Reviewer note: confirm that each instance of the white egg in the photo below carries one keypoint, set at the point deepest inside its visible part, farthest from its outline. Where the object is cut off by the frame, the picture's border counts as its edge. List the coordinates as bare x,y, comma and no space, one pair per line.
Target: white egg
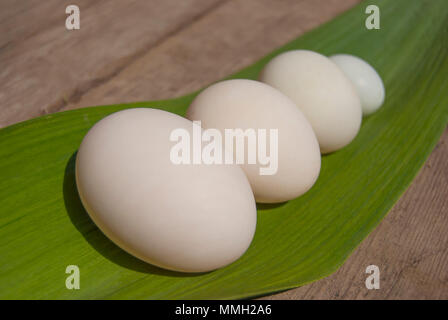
252,105
190,218
366,80
323,93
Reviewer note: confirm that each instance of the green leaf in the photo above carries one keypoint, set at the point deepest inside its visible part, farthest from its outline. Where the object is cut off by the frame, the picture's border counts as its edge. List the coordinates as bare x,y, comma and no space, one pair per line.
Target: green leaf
44,228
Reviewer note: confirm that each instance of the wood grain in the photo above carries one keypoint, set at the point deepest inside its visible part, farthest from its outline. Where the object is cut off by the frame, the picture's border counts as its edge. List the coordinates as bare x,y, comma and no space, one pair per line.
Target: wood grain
44,65
147,50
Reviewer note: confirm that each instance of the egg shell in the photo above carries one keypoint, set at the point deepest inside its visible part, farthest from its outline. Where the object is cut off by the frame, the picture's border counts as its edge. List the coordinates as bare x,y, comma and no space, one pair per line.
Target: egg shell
248,104
321,91
190,218
367,81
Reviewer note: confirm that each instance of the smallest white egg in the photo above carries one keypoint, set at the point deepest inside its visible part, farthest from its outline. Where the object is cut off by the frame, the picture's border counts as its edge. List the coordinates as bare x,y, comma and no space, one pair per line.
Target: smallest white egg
368,83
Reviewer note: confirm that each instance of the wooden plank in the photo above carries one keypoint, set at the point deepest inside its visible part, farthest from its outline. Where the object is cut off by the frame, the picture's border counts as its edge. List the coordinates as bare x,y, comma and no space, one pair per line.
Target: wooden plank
225,40
44,64
21,20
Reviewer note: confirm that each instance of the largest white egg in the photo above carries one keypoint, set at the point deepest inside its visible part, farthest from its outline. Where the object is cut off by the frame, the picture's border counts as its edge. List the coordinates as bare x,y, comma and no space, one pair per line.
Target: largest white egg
190,218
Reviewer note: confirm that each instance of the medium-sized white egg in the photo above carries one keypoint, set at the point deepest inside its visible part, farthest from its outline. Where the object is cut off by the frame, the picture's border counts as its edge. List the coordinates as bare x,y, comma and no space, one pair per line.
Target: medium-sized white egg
323,93
366,80
293,161
183,217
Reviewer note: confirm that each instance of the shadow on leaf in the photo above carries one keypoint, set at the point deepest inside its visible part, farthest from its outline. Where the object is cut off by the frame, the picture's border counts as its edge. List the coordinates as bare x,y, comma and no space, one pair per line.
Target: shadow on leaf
269,206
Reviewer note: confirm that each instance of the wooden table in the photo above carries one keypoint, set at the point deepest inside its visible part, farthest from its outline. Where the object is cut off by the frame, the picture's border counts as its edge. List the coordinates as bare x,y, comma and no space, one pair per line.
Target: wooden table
139,50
